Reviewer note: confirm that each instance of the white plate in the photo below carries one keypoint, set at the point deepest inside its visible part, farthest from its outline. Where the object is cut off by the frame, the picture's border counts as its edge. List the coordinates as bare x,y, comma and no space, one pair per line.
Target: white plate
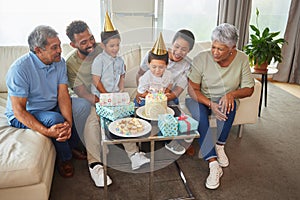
141,113
112,127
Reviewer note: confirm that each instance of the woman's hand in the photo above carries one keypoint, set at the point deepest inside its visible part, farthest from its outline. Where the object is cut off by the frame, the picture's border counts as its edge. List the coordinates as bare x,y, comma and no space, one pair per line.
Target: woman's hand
216,109
226,103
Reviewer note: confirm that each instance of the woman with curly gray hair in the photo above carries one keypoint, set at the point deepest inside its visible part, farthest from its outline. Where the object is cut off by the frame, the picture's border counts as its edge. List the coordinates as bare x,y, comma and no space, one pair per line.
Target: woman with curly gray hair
219,77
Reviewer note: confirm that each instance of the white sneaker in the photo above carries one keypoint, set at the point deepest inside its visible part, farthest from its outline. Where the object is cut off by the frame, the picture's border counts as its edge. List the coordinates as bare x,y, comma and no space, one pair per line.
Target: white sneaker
138,159
215,173
190,140
222,158
97,174
175,147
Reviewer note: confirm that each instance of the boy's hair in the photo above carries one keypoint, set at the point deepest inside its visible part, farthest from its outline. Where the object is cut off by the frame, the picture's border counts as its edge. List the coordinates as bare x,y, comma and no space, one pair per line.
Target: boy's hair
76,27
187,36
164,57
107,35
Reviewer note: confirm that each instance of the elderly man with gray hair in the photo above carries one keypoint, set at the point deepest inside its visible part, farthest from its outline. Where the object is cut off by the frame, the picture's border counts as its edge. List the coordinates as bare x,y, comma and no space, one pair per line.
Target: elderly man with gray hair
38,97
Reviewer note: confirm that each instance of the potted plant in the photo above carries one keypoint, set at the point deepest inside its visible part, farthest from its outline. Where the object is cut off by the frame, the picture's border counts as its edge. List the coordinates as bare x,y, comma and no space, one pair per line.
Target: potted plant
263,47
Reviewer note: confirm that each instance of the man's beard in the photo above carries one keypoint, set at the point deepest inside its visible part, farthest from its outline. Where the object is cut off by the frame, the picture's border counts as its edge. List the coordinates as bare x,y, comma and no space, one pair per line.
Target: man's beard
86,53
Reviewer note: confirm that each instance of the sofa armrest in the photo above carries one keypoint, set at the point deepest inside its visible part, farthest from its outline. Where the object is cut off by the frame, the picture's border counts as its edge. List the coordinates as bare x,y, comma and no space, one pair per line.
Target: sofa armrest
247,112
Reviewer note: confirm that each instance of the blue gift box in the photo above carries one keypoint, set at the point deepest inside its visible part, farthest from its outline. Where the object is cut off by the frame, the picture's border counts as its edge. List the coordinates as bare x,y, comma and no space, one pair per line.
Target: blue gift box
115,112
168,125
186,123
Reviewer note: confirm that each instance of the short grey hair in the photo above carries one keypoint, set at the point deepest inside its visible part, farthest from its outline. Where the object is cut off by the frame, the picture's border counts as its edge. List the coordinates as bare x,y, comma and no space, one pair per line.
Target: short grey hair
38,37
225,33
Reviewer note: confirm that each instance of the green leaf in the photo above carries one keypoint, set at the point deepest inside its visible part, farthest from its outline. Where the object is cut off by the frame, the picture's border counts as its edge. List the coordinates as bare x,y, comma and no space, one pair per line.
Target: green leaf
256,30
265,33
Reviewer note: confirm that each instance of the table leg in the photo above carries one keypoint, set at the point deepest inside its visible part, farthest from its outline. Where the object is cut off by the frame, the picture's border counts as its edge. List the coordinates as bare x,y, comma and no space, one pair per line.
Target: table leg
151,169
261,93
266,88
190,194
105,170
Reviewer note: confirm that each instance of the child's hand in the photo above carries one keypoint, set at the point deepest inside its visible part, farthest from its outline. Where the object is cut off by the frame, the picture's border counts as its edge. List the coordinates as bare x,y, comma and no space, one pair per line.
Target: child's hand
168,95
137,98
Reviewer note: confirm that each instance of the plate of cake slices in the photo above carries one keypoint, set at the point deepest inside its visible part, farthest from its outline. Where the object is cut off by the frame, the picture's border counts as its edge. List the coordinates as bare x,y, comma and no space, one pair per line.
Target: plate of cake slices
154,112
129,127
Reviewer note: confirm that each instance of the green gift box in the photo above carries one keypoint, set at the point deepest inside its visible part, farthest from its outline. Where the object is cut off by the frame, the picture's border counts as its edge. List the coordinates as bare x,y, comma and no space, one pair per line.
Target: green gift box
186,123
168,125
115,112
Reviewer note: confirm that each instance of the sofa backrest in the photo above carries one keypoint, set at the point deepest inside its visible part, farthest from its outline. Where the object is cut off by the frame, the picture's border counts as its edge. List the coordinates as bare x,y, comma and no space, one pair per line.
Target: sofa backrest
131,53
8,54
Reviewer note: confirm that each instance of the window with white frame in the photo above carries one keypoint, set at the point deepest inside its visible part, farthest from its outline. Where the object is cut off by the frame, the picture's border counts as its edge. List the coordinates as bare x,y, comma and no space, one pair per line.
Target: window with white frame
272,14
198,16
19,18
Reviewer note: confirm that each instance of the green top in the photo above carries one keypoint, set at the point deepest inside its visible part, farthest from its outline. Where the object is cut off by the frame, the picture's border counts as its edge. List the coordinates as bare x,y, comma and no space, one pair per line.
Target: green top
215,80
79,71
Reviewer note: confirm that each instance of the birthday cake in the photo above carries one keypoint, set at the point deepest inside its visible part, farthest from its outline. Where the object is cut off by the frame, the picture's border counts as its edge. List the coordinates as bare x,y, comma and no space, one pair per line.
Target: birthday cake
155,104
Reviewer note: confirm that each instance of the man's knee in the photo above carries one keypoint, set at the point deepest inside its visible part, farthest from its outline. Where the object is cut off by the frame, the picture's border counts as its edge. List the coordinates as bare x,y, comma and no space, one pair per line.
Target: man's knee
52,119
81,106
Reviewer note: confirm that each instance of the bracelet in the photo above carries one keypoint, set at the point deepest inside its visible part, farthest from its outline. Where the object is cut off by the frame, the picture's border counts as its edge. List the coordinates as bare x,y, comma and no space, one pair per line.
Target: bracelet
209,105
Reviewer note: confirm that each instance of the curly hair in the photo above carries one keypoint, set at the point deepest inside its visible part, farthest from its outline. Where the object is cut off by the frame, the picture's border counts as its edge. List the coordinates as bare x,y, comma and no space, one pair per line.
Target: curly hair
76,27
225,33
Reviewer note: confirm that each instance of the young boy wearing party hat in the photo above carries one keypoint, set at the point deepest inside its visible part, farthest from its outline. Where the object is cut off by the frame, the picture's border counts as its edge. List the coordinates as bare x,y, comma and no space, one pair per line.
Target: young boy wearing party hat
157,79
108,71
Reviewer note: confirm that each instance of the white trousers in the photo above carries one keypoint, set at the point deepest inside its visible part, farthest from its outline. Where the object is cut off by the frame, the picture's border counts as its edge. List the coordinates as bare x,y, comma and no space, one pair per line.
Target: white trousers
93,140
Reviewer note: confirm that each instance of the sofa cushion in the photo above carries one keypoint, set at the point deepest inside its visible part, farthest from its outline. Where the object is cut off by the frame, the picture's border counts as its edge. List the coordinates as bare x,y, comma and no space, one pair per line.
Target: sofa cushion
23,155
7,56
132,56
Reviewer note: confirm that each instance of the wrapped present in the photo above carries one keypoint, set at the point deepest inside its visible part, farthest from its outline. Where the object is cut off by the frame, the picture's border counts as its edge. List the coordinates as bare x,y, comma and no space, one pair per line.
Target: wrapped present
115,112
114,99
168,125
186,123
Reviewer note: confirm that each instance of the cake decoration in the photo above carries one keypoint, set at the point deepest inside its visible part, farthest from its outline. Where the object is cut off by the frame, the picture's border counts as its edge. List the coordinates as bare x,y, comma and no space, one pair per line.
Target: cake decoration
108,26
155,104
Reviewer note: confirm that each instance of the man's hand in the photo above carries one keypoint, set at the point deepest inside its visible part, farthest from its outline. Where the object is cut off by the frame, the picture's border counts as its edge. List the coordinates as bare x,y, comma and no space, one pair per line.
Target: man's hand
61,132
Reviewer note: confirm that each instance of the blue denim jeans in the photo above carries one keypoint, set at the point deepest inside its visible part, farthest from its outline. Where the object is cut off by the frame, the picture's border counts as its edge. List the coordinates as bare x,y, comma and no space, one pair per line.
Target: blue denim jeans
200,112
80,111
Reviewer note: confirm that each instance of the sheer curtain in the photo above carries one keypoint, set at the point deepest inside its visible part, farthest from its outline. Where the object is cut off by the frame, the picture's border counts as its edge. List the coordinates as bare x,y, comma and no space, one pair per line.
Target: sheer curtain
236,12
289,69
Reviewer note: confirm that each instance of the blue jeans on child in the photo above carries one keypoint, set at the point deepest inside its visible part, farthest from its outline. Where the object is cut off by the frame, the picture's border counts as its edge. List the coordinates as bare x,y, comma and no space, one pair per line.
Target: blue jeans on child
200,112
142,103
80,112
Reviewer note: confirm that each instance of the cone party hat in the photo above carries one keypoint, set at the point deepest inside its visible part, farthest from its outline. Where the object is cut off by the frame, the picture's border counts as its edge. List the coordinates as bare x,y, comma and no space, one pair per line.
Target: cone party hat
159,47
107,24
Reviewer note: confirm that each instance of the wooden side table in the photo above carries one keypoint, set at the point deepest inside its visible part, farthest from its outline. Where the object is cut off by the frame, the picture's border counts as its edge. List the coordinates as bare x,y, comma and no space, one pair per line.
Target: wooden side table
264,83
